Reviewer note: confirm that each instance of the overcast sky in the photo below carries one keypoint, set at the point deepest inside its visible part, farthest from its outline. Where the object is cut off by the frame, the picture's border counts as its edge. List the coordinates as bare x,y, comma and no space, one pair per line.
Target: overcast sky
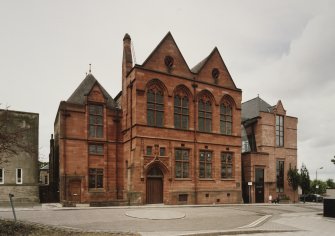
278,49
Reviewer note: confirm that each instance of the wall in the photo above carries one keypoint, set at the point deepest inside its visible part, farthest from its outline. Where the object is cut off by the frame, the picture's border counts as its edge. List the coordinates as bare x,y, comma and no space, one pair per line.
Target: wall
24,157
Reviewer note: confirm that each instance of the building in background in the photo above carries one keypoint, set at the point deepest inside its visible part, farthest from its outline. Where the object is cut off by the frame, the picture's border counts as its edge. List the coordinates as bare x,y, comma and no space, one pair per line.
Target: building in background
269,150
44,175
19,159
172,135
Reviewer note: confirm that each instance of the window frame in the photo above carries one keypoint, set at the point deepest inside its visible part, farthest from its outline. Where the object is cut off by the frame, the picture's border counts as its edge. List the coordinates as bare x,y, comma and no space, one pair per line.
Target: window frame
19,180
162,151
226,165
147,151
155,107
279,131
94,126
99,172
95,151
206,164
280,175
184,163
226,119
205,115
181,112
2,175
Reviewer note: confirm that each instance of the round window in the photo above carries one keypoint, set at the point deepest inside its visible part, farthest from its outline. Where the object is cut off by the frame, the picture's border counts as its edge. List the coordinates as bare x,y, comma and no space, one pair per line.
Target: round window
168,60
215,73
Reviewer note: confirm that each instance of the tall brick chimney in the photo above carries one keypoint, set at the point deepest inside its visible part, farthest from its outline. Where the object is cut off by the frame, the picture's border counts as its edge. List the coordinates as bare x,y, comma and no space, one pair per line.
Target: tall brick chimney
127,60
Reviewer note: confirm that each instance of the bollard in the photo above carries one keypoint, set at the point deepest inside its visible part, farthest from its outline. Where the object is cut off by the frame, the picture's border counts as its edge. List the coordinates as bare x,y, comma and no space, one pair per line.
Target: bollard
11,203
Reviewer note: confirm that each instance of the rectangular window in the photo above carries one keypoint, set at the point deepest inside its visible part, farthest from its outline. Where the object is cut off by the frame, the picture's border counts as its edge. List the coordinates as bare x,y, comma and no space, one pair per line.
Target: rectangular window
205,164
2,176
205,116
182,197
96,149
226,165
162,151
279,131
96,178
19,176
149,150
280,176
155,108
46,179
181,112
225,119
96,121
182,163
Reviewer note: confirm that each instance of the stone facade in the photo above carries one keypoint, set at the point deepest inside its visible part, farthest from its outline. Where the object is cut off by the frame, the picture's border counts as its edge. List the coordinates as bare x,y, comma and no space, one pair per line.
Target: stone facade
144,154
19,167
263,151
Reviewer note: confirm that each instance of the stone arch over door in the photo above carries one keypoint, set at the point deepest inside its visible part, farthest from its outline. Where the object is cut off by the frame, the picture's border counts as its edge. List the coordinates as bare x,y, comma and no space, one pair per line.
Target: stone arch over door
154,185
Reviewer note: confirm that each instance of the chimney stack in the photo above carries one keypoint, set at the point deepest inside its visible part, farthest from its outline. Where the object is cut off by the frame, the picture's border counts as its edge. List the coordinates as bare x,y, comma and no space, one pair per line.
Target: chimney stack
127,60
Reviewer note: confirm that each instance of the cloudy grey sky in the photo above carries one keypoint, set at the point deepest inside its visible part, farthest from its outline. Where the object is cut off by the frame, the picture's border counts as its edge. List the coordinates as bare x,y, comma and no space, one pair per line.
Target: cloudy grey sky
277,49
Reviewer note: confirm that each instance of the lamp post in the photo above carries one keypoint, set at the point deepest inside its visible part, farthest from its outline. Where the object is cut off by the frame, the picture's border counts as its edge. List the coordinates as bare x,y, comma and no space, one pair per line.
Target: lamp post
316,179
316,173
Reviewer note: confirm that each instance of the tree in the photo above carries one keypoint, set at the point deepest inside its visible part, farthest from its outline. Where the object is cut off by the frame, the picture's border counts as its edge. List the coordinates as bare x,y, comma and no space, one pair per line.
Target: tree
318,187
13,136
330,183
333,160
293,179
305,182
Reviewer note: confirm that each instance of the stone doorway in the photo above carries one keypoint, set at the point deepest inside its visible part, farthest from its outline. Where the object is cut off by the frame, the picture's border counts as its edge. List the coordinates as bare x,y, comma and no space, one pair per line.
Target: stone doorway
259,185
75,191
154,186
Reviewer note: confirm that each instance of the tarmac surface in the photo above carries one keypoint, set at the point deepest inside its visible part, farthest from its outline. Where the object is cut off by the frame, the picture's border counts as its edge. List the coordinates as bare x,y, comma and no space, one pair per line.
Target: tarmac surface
163,220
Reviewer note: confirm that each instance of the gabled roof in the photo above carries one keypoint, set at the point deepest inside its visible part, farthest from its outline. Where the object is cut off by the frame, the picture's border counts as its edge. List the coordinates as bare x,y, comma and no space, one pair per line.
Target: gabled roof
80,94
201,65
167,36
252,108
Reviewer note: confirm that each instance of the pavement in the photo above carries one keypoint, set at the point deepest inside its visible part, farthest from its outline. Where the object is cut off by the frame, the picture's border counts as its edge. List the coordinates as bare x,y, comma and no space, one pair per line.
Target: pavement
167,220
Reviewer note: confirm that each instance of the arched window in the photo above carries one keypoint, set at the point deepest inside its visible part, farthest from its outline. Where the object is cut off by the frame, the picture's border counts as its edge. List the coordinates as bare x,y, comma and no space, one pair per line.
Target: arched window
181,111
205,115
155,107
226,118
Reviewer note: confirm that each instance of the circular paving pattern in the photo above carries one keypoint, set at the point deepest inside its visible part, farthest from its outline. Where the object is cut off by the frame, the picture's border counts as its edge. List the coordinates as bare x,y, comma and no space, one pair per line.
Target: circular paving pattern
155,214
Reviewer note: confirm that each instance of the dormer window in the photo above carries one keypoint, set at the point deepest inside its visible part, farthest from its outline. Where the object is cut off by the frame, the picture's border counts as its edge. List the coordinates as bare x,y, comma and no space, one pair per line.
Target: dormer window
96,121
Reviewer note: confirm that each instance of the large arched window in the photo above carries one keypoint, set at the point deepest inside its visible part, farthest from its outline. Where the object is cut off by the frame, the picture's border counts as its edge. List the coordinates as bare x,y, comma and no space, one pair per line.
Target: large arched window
226,120
181,111
205,115
155,107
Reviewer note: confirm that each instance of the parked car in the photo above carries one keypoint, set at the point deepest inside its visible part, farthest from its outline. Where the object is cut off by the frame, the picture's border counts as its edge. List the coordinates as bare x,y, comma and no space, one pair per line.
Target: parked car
311,198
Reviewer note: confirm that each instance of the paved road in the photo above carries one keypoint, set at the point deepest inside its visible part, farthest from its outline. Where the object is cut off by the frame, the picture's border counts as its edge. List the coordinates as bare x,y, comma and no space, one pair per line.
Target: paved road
303,219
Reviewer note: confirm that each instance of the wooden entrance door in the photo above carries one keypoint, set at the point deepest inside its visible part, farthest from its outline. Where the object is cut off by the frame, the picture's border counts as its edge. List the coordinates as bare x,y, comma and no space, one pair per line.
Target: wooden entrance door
259,185
154,188
74,191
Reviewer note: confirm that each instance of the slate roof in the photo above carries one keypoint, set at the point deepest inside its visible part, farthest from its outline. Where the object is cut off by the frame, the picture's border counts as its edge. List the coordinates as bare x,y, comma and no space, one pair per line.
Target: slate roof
80,94
46,167
199,66
252,108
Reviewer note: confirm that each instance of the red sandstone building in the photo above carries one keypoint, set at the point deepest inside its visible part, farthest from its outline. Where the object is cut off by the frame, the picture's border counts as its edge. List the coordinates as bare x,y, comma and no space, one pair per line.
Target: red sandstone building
172,135
269,151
